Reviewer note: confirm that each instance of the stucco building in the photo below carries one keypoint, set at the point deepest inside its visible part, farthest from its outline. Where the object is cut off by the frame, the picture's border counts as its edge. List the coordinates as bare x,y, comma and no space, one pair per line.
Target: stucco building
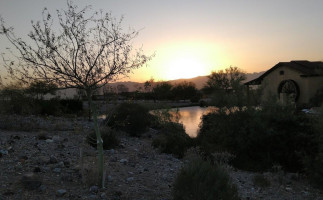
296,81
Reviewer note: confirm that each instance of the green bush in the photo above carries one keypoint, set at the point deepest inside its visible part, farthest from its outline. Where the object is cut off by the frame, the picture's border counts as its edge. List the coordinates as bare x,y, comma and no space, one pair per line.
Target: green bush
201,180
109,137
131,118
173,139
259,138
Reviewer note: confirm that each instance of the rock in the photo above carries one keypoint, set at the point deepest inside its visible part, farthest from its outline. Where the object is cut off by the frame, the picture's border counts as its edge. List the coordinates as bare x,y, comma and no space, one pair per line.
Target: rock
109,178
52,159
111,151
130,179
60,164
124,161
94,189
103,195
43,160
56,138
42,188
57,170
30,181
49,141
60,192
3,152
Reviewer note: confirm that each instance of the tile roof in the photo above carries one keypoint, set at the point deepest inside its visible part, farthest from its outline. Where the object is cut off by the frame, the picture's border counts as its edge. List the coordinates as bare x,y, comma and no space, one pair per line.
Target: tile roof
306,68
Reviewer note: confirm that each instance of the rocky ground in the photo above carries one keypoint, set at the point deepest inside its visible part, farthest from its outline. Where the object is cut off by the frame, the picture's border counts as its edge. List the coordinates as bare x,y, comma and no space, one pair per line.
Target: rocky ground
44,162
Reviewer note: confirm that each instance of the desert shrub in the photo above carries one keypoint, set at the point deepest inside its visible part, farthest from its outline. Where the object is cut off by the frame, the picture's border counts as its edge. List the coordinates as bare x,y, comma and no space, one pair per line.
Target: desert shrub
161,117
109,137
317,100
48,107
71,105
173,139
200,180
259,138
131,118
314,162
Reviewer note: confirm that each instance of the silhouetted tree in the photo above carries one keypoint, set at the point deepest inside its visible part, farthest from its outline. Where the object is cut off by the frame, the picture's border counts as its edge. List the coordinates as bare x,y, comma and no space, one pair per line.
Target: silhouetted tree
184,90
40,88
226,87
122,88
85,51
162,90
148,85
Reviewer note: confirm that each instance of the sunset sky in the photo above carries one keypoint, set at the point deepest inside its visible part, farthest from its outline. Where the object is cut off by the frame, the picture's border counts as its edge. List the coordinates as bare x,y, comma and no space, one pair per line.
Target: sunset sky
194,37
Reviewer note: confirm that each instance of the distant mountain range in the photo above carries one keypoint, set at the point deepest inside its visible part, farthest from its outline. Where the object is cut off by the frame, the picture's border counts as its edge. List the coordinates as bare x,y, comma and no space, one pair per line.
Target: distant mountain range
199,81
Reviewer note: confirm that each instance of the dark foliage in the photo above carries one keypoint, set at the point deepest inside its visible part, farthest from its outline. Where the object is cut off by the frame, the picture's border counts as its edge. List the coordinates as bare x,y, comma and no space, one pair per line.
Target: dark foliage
173,139
314,162
71,105
109,137
259,139
131,118
201,180
317,100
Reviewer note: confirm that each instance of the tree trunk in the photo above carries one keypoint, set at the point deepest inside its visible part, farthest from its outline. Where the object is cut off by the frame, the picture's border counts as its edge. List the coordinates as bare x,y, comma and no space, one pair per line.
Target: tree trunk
98,138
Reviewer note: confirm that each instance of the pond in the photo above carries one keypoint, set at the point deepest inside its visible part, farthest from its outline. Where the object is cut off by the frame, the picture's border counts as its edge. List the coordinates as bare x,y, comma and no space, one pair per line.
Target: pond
190,117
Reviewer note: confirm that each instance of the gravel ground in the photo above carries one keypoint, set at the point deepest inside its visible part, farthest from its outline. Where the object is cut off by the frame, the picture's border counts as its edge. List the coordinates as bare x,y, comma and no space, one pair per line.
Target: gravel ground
44,162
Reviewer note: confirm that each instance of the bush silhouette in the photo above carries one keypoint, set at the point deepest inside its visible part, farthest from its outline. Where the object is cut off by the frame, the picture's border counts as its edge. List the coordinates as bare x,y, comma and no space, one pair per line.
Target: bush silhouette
130,117
201,180
259,139
109,137
173,139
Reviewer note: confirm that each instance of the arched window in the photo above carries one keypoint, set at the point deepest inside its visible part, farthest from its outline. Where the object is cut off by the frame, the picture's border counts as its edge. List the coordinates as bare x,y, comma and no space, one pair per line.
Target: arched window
290,88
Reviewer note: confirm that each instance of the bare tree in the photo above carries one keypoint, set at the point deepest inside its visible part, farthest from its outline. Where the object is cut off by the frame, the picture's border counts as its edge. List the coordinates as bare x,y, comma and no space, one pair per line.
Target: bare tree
85,50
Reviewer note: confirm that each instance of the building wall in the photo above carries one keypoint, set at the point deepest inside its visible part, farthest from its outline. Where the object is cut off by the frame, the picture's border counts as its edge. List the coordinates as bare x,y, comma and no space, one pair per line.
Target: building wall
307,85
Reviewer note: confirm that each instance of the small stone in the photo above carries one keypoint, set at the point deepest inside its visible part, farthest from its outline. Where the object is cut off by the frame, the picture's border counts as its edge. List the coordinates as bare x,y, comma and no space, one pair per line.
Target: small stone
4,152
57,170
124,161
42,188
60,164
52,159
49,141
111,151
103,195
130,179
60,192
56,138
43,160
94,189
109,178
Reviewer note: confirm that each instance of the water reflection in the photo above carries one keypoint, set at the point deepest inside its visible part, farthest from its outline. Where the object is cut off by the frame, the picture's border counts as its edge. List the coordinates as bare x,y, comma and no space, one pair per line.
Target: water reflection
190,117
